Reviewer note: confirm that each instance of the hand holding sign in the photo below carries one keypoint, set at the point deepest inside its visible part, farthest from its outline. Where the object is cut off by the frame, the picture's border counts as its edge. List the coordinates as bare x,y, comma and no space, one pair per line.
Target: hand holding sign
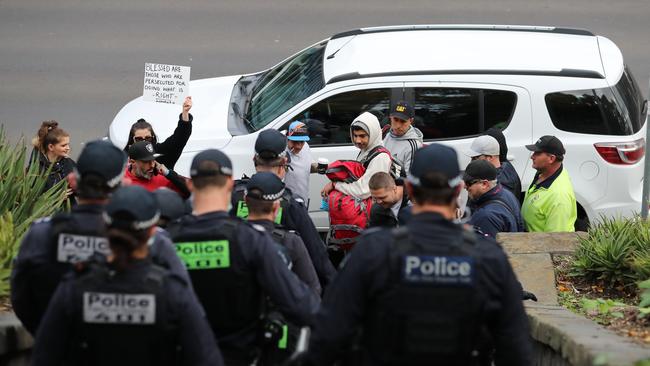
166,84
187,105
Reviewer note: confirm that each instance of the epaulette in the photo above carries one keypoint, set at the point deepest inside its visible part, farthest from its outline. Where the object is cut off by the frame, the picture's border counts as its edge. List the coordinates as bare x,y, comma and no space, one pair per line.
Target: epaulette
43,219
258,227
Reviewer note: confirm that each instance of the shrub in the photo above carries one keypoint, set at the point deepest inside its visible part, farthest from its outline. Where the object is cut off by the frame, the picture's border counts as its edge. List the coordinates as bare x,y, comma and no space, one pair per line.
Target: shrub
615,250
22,201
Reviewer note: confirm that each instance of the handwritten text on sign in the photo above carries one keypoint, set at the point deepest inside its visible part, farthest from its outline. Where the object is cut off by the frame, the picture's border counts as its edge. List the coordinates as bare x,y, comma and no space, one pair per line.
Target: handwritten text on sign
166,83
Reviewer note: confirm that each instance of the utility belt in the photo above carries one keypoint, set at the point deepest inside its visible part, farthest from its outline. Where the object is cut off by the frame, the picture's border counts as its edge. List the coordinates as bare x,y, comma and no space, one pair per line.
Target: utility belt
277,339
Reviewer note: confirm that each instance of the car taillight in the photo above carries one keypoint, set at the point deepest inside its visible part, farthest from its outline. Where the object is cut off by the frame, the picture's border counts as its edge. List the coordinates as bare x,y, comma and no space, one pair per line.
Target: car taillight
621,152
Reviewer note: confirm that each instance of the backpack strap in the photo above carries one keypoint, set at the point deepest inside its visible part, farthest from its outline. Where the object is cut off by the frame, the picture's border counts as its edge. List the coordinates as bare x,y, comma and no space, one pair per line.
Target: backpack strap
373,153
499,202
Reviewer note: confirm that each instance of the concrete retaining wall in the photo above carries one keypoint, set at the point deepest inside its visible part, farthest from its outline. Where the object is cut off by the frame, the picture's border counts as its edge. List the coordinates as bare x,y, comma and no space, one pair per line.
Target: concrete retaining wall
15,341
562,337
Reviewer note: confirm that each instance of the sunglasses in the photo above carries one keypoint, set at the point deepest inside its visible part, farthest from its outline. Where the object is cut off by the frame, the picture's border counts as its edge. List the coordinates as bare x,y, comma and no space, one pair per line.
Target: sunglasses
472,182
141,138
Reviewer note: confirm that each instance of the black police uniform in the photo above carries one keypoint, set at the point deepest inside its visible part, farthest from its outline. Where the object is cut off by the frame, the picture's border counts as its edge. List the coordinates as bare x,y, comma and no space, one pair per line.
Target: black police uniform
293,216
301,263
143,315
421,295
51,246
232,266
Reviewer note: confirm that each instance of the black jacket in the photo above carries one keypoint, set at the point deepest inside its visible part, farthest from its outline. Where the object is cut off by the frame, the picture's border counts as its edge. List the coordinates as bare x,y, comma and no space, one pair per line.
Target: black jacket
60,169
364,277
56,336
302,265
171,149
36,271
255,256
295,217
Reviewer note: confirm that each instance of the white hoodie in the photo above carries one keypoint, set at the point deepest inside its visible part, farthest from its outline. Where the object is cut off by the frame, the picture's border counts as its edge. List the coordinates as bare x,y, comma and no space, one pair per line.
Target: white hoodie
381,163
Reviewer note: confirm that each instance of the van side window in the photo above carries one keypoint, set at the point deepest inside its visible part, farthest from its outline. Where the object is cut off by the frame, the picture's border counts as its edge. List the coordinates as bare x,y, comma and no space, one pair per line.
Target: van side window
329,120
442,113
606,111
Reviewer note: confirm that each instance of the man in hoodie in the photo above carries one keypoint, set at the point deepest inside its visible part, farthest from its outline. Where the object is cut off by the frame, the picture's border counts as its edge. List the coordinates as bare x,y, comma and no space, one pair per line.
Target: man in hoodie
365,133
403,139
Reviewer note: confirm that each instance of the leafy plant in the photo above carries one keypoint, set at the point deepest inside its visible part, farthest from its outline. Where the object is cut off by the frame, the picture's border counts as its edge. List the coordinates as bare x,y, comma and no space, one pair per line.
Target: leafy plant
644,305
615,250
22,201
603,307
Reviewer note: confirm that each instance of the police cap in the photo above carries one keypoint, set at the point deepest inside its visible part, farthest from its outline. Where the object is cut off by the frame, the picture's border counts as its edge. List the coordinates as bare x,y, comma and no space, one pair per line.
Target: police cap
104,159
271,144
435,158
221,164
133,208
170,203
270,186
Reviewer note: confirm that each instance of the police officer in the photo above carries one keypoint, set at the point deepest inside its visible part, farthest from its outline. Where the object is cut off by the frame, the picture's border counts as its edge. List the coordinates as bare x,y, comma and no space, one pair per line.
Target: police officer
270,156
52,245
424,292
171,206
232,265
126,310
263,193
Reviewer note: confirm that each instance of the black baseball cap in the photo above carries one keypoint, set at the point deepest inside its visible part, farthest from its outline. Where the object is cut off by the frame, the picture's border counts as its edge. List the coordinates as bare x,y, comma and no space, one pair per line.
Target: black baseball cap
435,158
132,207
270,186
402,110
480,170
142,151
221,166
271,144
548,144
170,203
104,159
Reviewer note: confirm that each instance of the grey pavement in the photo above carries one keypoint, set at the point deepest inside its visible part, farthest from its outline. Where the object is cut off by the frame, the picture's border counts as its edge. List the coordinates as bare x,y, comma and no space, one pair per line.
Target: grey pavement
79,61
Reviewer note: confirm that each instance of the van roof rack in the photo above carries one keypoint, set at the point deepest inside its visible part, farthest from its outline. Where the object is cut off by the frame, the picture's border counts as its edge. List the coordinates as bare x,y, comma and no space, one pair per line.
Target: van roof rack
511,28
563,72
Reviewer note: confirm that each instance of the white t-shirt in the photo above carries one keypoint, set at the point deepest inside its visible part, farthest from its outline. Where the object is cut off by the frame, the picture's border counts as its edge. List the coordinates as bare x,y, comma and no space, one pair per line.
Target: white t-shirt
297,180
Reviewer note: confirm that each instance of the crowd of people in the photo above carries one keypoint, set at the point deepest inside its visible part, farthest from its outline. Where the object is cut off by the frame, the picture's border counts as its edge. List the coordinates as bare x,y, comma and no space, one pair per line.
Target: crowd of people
152,267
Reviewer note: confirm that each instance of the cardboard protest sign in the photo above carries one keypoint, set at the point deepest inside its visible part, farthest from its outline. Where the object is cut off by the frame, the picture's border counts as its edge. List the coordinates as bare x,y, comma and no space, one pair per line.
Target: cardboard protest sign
166,83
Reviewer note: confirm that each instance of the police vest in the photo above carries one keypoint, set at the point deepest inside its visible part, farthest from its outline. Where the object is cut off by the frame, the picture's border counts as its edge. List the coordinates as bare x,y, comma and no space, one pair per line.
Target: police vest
241,210
118,318
431,310
77,241
69,241
228,291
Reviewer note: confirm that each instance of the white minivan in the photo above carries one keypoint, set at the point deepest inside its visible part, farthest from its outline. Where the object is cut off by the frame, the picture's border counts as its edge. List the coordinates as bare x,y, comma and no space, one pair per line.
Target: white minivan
461,79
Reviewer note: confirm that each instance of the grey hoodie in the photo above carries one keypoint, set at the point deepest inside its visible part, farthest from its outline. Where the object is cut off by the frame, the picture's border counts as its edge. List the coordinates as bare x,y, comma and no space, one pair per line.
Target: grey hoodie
403,147
381,163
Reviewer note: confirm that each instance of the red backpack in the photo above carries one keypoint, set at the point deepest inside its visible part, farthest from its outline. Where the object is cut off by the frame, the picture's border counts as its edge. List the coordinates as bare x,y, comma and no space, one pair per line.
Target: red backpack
348,215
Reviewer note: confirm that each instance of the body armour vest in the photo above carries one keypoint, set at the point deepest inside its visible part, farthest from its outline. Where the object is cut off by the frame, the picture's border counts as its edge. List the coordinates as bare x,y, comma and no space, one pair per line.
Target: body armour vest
70,241
119,317
431,310
227,289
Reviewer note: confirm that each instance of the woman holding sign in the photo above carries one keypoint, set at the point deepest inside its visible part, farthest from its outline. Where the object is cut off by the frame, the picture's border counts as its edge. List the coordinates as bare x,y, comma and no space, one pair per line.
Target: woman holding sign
126,311
170,149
